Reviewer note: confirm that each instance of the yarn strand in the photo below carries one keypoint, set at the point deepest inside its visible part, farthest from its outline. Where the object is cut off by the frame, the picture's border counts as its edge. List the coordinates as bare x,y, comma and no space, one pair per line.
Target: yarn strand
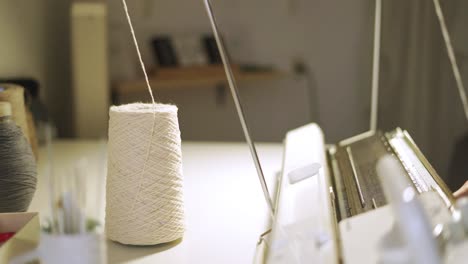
135,42
143,68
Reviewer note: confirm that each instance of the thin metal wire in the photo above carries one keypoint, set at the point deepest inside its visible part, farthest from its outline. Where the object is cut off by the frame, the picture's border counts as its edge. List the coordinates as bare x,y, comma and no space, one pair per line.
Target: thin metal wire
376,66
240,112
451,55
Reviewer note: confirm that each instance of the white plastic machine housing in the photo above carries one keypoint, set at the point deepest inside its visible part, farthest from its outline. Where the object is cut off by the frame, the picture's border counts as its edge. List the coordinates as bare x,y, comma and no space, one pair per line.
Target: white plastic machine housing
303,228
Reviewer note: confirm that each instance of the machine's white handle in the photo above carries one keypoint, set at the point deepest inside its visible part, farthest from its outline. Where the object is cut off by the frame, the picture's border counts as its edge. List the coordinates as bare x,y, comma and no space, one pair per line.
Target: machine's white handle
410,216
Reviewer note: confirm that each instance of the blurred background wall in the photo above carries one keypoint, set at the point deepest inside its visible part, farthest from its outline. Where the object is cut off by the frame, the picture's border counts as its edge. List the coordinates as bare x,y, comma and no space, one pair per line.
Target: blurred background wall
332,39
280,34
35,43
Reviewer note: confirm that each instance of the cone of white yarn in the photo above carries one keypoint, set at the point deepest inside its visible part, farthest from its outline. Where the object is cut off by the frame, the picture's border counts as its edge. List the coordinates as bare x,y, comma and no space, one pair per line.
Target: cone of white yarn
144,201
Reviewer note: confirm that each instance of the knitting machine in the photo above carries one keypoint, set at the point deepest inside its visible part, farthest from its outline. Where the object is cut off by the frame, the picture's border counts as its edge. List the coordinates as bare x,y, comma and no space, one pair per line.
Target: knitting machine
373,198
370,199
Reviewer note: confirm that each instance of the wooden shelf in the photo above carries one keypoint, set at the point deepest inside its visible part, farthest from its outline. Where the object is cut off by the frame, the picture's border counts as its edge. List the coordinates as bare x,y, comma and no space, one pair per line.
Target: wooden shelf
189,80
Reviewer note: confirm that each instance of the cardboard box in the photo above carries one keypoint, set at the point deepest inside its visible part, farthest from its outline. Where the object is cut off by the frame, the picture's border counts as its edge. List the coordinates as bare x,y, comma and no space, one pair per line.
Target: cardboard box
27,229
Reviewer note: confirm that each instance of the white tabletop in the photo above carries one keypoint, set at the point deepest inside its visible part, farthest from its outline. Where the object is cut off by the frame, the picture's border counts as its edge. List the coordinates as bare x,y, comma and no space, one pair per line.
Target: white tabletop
225,208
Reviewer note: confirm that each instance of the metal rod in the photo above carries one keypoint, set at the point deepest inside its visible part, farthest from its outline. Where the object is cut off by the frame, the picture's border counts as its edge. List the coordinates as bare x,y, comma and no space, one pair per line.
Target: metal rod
376,66
240,112
356,179
451,55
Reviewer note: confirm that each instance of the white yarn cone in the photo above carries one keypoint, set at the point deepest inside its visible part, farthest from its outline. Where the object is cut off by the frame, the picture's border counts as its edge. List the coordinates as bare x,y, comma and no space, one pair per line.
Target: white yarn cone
144,202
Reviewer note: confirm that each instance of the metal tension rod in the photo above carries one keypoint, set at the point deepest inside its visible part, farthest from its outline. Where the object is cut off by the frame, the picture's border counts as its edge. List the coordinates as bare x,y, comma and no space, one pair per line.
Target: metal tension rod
451,55
235,96
376,66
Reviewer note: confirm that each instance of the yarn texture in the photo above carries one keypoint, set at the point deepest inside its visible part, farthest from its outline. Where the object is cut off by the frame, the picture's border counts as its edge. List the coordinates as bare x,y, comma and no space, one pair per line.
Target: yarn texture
144,201
17,169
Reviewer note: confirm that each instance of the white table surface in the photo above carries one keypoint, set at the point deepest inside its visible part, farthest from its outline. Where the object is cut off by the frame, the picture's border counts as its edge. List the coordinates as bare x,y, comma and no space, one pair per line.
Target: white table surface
225,208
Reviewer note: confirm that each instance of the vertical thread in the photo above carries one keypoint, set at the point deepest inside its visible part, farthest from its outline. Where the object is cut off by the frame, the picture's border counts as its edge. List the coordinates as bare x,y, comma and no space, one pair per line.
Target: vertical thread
148,85
135,42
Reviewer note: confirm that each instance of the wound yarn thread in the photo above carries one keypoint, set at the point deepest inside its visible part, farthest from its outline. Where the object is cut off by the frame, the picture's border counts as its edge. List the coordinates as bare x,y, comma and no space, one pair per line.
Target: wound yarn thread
144,201
17,169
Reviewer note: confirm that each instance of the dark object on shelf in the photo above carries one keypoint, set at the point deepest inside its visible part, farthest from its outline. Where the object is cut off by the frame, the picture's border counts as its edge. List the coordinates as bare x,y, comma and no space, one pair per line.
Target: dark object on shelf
164,52
256,68
211,48
30,85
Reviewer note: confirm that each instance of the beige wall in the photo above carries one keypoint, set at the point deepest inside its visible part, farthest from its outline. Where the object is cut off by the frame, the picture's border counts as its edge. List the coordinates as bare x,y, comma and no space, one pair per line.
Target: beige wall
22,31
334,37
91,91
35,43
